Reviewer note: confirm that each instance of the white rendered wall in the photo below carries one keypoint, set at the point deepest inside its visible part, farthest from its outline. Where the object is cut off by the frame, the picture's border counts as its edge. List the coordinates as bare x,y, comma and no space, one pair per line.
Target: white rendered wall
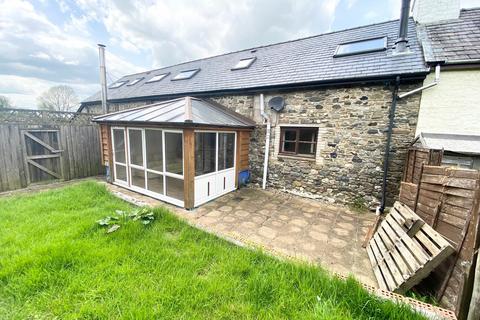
428,11
453,106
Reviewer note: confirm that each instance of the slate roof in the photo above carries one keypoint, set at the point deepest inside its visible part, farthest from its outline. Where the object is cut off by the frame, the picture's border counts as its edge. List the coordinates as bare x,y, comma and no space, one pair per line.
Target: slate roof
171,112
453,41
459,143
298,62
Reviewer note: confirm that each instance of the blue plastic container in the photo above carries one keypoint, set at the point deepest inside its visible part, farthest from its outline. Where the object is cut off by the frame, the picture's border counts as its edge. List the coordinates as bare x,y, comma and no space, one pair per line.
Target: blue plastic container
244,177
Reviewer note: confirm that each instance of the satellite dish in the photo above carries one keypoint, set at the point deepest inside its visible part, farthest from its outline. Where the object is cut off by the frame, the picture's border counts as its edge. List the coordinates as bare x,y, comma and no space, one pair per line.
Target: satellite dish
277,103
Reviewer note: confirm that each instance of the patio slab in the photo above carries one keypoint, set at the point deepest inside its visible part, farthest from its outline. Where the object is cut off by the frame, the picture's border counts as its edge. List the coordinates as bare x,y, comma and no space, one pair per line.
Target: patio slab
306,229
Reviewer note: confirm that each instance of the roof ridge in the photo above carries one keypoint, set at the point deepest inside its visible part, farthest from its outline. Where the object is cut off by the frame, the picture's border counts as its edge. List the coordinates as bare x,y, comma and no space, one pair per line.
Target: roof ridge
470,9
262,46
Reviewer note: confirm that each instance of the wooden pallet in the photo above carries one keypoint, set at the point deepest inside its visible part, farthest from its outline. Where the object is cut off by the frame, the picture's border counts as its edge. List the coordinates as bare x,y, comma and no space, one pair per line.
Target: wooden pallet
404,250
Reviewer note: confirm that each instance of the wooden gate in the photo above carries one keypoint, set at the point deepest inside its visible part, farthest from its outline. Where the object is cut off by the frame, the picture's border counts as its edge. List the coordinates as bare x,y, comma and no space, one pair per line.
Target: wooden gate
42,155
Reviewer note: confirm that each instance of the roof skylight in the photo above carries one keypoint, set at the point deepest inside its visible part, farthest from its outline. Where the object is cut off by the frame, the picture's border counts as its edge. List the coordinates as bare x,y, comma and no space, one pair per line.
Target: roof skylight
187,74
135,81
362,46
244,63
117,84
158,77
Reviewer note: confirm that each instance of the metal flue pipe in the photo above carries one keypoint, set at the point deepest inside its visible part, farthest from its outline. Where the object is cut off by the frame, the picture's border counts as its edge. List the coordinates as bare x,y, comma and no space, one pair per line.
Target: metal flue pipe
103,76
401,43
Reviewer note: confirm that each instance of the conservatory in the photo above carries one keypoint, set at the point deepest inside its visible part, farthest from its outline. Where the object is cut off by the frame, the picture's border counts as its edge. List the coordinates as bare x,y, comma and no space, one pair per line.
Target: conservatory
185,151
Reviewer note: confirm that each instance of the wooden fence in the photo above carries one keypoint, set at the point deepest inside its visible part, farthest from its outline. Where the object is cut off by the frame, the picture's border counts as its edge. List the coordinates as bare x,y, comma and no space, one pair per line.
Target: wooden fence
37,146
448,199
416,157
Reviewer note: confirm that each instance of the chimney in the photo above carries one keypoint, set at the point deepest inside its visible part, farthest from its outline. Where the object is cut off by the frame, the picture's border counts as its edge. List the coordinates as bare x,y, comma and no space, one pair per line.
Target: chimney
103,77
431,11
401,44
188,109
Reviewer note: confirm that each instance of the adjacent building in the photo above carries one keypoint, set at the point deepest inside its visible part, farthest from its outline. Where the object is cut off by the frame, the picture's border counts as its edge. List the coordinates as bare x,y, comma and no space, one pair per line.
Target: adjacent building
450,110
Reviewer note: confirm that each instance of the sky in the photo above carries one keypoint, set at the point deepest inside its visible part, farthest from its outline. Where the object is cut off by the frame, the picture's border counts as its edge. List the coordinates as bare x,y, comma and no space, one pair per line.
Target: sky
46,43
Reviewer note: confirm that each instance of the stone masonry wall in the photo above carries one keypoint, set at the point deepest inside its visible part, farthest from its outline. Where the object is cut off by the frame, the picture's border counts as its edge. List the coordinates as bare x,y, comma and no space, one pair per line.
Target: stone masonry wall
352,122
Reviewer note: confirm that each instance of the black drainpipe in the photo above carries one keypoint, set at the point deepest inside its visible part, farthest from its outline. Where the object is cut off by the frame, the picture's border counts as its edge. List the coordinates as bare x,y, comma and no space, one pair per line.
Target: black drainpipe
386,159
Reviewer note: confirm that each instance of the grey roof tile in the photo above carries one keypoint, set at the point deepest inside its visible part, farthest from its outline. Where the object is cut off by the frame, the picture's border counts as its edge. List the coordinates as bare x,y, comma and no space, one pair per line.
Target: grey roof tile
451,41
300,61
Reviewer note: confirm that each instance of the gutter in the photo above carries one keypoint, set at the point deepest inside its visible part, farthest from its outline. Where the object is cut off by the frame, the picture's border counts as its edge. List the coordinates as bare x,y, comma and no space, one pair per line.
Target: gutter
434,83
256,90
267,140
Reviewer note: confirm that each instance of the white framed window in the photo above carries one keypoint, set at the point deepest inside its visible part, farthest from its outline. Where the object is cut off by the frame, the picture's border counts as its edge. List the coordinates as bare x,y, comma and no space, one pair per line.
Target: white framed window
119,155
244,63
158,77
187,74
215,153
151,162
361,46
134,82
117,84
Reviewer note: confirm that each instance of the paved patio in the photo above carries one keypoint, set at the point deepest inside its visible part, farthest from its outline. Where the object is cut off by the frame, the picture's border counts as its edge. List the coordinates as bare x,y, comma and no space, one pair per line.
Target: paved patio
306,229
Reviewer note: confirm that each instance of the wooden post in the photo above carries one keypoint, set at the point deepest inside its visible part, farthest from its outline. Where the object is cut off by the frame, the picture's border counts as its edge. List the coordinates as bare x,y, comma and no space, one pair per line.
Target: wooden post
189,168
237,158
474,310
418,189
109,153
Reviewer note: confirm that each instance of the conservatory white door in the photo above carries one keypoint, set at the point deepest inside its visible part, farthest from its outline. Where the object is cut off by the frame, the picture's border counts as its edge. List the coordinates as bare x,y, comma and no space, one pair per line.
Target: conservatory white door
214,164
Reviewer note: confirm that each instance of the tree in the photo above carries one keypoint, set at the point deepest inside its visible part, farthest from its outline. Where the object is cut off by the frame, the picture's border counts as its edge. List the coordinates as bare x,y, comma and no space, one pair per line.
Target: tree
5,102
58,98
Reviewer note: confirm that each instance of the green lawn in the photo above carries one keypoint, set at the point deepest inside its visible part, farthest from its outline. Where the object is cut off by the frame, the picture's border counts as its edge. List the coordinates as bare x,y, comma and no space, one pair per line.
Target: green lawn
55,262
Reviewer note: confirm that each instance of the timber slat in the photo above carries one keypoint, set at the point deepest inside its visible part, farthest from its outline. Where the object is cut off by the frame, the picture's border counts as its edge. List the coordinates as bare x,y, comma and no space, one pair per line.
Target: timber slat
376,270
68,151
404,249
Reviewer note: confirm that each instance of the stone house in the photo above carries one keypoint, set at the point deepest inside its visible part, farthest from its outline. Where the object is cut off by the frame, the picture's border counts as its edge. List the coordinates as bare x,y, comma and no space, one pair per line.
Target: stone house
337,91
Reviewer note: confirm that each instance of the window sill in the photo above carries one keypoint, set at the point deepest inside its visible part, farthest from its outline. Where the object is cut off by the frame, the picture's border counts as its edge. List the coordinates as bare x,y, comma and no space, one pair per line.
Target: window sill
284,156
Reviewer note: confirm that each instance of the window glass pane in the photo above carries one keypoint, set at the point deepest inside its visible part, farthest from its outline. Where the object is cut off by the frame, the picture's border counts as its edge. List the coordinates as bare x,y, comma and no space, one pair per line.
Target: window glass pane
174,188
157,78
226,150
136,148
307,135
155,182
306,148
205,152
119,145
121,172
244,63
138,177
290,135
186,74
361,46
289,146
153,142
174,152
117,84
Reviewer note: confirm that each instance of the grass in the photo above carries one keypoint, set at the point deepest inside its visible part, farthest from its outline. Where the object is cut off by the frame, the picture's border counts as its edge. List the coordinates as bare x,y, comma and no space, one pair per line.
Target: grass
358,205
56,263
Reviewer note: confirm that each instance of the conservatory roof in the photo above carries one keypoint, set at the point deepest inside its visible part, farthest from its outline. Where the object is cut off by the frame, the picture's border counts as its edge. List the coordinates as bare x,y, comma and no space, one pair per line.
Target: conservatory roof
204,112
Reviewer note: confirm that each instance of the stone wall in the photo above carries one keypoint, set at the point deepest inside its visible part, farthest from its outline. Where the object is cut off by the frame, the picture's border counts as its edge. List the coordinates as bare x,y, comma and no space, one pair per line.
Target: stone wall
352,122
